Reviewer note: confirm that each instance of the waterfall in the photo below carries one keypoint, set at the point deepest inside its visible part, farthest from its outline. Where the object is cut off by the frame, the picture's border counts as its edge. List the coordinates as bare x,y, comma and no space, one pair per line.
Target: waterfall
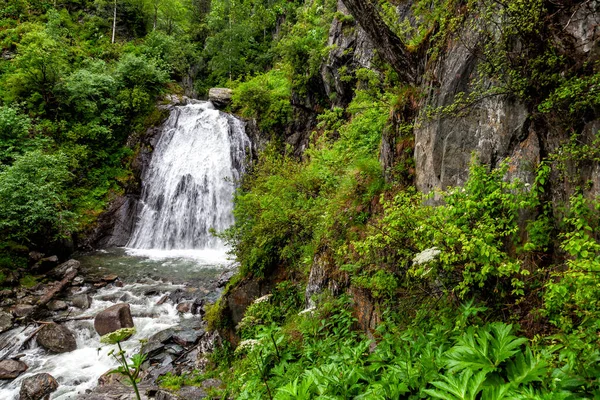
189,185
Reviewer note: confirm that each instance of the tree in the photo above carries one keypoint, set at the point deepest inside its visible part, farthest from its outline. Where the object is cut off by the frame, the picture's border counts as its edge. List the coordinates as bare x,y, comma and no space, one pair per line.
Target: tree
33,198
389,45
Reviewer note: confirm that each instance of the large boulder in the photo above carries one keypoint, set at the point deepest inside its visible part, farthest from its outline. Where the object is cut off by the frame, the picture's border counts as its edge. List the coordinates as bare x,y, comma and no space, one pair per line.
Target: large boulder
37,387
220,97
10,369
113,319
6,321
56,338
63,269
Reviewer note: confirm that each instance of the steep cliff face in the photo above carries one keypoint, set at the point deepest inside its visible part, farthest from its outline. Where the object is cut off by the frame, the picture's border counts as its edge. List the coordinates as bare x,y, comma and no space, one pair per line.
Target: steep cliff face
351,49
494,127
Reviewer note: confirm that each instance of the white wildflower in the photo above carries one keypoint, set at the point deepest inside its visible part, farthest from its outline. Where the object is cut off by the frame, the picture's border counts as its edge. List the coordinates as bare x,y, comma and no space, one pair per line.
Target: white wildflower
308,310
247,344
426,256
263,299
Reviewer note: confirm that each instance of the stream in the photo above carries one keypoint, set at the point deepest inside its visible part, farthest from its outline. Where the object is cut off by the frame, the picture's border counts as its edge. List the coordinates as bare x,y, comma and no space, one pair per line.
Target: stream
146,278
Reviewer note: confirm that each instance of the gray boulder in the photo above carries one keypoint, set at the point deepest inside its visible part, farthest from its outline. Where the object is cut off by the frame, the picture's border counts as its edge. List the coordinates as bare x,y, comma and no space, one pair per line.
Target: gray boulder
56,338
82,300
64,268
6,321
23,310
10,369
37,387
113,319
220,97
57,305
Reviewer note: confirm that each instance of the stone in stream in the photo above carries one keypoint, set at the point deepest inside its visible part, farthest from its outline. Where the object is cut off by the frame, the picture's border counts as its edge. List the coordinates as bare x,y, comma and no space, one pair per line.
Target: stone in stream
56,338
188,337
37,387
113,318
22,310
6,321
82,301
57,305
64,268
10,369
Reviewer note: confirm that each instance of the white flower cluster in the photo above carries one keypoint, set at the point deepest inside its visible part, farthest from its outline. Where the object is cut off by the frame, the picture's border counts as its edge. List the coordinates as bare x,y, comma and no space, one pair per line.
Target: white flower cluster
426,256
266,297
308,310
247,345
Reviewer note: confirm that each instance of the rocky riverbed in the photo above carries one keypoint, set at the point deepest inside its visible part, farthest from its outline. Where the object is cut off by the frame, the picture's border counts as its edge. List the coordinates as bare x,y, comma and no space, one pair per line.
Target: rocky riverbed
50,340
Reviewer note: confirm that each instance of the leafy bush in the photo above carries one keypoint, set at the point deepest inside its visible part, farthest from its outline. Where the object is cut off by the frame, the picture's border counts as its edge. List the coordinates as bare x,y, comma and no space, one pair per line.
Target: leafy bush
265,97
33,198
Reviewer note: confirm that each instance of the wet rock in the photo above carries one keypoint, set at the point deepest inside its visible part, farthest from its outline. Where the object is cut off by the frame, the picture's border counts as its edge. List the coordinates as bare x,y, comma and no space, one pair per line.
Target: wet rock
212,383
78,281
187,338
197,307
113,318
174,349
6,321
64,268
56,338
166,395
184,307
100,285
178,295
110,278
10,369
110,378
220,97
162,300
191,393
57,305
185,393
35,256
22,310
82,301
45,264
37,387
225,277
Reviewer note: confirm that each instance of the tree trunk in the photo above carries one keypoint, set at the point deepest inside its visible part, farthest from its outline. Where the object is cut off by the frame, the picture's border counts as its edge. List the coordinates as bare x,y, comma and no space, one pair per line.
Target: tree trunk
155,15
114,22
388,44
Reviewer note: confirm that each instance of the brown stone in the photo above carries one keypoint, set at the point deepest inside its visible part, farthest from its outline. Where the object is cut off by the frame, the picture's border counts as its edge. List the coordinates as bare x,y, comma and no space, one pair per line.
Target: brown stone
10,369
113,318
110,278
56,338
37,387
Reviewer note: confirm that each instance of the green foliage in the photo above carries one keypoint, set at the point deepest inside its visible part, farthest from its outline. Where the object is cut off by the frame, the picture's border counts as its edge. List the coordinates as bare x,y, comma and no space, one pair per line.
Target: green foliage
130,369
265,97
287,206
454,356
117,336
14,132
33,199
572,295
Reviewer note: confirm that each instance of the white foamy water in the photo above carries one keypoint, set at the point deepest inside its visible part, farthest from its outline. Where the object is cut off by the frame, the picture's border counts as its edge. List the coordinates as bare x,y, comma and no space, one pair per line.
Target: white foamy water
203,257
188,188
79,370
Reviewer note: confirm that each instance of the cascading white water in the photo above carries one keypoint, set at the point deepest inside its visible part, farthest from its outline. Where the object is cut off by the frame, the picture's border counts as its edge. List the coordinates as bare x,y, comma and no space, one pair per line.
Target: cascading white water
188,188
